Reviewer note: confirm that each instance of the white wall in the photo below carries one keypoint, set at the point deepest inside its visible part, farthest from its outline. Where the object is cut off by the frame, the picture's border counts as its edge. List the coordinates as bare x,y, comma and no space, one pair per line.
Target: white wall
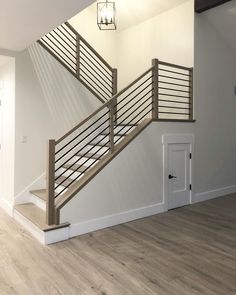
49,102
7,152
168,37
215,104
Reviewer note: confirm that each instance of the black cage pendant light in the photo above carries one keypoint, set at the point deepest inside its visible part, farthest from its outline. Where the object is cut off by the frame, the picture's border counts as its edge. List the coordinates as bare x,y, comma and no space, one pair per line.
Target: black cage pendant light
106,15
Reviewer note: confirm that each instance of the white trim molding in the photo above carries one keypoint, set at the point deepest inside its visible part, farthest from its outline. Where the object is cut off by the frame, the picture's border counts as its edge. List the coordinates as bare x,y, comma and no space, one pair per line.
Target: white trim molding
212,194
181,138
115,219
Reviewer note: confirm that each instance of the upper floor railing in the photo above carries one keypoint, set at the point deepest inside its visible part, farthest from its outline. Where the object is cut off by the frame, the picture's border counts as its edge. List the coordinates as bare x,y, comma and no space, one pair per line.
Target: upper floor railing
79,57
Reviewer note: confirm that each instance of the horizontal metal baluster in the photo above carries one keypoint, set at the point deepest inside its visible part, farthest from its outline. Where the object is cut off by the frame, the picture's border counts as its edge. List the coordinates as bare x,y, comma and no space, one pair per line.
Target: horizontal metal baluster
60,50
96,60
131,101
165,94
163,76
120,101
170,89
91,157
73,55
89,143
99,80
175,84
96,69
174,101
69,33
73,43
171,107
58,55
133,105
77,145
82,133
87,78
178,73
129,115
82,171
174,113
135,123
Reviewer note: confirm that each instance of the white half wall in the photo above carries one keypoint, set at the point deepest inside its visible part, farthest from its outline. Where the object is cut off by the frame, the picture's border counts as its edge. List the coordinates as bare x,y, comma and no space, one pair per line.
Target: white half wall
49,102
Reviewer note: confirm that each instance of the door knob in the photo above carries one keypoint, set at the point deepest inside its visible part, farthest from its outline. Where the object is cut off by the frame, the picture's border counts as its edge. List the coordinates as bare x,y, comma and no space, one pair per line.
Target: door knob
171,176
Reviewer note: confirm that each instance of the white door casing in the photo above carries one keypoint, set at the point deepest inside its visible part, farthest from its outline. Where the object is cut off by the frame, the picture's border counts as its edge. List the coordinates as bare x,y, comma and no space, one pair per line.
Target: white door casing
177,163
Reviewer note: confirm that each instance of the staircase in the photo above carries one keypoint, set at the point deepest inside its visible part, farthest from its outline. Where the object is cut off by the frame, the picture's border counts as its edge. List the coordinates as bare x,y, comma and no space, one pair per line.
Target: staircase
162,93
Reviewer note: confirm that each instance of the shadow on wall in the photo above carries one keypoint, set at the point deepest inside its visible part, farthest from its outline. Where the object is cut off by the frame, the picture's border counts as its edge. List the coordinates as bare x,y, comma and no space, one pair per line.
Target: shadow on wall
69,102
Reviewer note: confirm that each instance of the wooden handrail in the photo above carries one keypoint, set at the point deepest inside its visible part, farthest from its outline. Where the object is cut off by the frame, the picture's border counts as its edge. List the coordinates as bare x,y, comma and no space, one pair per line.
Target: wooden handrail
50,204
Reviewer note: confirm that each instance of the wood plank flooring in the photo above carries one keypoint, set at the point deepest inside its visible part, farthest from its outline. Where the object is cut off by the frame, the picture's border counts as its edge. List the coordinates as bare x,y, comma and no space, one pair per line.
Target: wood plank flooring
191,250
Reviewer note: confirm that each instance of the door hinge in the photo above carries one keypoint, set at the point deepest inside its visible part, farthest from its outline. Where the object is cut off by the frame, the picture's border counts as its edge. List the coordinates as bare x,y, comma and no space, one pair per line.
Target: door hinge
190,156
190,187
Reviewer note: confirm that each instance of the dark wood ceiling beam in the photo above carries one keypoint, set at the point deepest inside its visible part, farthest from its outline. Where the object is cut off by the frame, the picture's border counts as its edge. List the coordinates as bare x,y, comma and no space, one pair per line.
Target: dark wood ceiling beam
203,5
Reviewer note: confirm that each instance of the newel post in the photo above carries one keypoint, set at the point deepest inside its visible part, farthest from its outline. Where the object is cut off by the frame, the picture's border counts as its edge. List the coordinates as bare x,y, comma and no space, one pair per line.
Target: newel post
78,55
155,92
50,204
111,126
191,94
114,91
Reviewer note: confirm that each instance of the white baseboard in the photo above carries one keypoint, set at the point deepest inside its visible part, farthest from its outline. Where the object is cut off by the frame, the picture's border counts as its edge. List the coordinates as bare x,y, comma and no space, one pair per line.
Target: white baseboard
115,219
6,206
201,197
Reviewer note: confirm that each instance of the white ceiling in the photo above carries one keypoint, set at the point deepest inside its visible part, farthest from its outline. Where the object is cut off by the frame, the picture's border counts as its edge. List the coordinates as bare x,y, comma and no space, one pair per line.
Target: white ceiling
223,18
132,12
24,21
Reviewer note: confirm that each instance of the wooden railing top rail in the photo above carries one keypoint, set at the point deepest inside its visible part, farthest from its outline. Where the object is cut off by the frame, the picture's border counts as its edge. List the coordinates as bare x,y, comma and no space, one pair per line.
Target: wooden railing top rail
89,46
106,104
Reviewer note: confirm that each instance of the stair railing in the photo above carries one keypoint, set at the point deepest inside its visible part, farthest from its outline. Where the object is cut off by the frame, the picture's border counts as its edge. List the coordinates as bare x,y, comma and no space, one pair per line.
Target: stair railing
66,45
163,92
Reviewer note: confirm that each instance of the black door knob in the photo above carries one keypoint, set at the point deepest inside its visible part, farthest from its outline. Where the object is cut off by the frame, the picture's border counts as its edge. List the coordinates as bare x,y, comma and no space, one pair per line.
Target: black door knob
171,176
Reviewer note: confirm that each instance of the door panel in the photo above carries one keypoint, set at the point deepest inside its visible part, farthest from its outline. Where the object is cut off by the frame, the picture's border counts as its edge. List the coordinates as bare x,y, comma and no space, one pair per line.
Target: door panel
178,175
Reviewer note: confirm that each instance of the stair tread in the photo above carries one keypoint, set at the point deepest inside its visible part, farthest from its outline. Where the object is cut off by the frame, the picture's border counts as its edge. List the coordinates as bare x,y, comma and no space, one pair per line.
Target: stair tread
41,193
66,181
90,155
37,216
75,167
100,144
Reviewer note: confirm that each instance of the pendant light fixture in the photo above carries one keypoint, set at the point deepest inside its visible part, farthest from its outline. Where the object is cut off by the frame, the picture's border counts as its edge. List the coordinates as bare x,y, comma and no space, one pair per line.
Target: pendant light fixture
106,15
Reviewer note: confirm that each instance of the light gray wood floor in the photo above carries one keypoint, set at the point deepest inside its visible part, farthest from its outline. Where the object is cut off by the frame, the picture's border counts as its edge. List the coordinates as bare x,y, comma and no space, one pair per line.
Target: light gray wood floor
191,250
